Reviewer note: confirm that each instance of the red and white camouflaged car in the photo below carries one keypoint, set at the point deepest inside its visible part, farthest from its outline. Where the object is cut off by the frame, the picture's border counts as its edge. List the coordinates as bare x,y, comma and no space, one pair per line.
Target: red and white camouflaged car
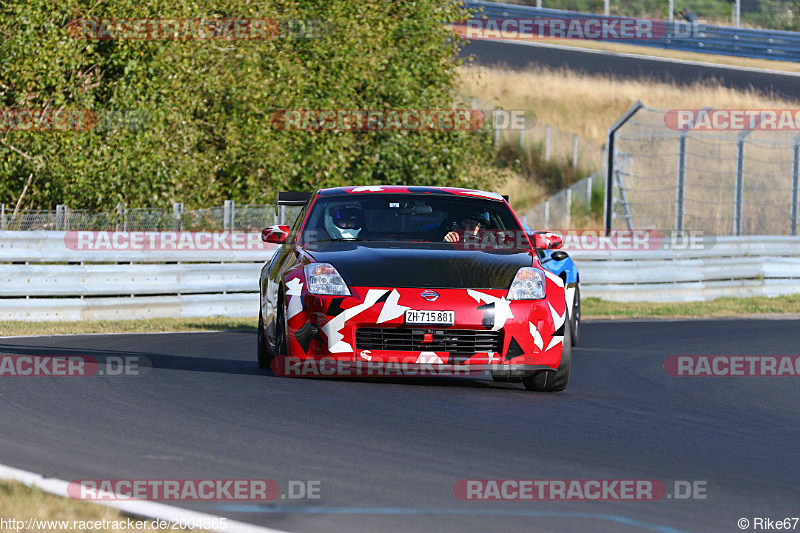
419,275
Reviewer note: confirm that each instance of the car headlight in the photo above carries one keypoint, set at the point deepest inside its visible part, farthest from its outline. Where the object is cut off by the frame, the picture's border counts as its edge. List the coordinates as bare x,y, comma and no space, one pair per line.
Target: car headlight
528,284
323,278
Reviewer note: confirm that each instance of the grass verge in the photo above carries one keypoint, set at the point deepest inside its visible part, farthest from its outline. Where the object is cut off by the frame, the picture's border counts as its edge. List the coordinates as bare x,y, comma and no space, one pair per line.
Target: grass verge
721,307
150,325
20,502
591,308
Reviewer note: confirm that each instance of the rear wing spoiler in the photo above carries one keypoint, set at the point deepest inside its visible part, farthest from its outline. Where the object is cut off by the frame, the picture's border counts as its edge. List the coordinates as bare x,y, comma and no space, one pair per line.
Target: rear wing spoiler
294,198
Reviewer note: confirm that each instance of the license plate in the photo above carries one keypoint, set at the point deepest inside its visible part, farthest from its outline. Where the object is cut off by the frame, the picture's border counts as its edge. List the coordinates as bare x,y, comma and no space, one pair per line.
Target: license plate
414,316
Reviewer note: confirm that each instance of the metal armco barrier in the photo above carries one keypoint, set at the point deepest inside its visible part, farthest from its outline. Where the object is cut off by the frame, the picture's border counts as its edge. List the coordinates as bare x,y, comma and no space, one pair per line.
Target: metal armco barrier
722,40
42,279
731,266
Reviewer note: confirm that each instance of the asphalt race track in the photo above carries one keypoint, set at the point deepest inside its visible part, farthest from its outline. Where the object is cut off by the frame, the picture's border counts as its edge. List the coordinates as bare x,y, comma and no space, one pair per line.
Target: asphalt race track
517,55
387,454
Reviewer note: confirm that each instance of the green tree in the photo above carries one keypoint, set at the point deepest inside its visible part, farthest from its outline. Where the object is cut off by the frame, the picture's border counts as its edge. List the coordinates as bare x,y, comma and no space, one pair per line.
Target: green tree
206,104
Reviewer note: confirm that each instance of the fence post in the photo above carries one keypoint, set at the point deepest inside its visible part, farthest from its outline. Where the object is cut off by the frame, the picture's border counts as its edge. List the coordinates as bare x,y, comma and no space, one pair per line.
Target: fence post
681,184
589,193
739,188
538,4
606,7
474,103
569,208
547,142
60,217
177,214
522,135
575,151
122,218
496,128
795,180
608,209
546,214
2,217
228,215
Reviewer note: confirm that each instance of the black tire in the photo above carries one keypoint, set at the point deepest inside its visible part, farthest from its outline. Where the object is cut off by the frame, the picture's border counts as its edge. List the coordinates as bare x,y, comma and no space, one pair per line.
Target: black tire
575,316
264,357
548,380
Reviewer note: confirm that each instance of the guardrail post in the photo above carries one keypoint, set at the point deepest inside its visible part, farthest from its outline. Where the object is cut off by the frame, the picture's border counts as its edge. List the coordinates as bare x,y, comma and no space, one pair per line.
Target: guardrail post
228,215
795,180
177,214
538,4
739,187
522,135
547,142
575,151
2,217
680,186
606,7
60,217
569,208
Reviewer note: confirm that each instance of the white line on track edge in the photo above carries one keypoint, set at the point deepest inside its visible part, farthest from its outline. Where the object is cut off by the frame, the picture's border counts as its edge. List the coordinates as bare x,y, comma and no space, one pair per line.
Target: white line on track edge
145,509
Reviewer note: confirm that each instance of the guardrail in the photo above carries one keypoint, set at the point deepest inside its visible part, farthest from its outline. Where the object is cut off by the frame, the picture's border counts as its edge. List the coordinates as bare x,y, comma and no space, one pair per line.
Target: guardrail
41,278
722,40
44,277
730,266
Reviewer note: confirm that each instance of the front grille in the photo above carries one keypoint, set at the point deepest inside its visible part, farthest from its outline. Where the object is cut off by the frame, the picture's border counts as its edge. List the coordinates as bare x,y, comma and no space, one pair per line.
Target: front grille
465,342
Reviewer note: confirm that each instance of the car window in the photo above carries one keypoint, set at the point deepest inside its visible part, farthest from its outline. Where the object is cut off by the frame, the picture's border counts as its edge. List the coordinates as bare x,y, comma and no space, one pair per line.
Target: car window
401,217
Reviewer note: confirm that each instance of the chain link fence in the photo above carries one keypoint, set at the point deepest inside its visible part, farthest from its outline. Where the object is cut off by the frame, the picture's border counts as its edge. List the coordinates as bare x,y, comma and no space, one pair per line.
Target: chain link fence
230,216
715,181
578,206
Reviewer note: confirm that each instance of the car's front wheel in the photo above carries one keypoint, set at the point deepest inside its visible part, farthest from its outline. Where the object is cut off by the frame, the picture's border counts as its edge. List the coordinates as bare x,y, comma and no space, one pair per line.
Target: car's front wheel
553,381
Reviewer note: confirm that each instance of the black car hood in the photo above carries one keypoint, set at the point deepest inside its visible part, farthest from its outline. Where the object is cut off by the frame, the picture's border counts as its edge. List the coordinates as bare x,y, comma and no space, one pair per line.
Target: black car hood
430,265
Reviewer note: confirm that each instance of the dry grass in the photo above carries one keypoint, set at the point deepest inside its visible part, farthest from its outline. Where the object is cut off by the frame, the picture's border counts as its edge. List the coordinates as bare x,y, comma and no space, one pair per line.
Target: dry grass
20,502
588,105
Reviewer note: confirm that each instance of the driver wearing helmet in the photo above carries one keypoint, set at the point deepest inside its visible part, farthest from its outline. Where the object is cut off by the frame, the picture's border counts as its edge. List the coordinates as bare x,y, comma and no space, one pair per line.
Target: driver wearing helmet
470,223
344,221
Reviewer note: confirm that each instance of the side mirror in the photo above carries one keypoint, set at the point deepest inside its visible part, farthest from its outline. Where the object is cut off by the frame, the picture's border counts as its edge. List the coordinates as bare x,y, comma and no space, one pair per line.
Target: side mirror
275,234
545,240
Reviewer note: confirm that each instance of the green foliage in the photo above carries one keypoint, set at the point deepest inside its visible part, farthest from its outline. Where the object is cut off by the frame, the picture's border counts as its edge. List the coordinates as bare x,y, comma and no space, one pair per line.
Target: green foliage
207,103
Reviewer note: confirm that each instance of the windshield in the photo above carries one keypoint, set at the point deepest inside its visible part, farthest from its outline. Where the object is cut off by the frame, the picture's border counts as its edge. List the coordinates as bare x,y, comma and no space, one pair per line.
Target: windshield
402,217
